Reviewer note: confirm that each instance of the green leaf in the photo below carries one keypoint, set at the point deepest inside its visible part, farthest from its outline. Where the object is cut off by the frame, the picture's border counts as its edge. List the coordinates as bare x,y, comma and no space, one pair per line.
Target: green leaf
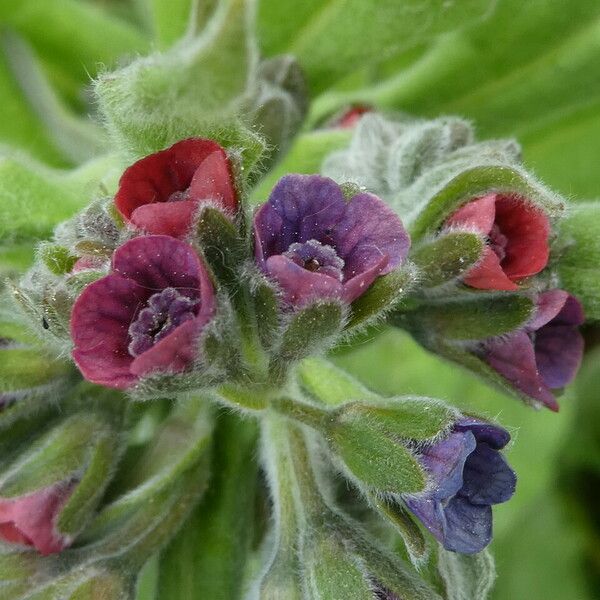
58,259
34,198
333,37
77,138
196,88
26,368
469,317
447,256
266,309
466,576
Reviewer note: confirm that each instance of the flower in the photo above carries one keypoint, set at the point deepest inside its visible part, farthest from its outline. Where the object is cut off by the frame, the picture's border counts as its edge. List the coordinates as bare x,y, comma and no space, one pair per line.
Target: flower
145,316
30,519
468,475
517,234
546,353
317,244
161,192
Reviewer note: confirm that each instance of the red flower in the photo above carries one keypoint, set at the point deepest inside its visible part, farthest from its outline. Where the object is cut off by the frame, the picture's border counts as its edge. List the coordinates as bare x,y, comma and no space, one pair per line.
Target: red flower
517,234
161,192
30,520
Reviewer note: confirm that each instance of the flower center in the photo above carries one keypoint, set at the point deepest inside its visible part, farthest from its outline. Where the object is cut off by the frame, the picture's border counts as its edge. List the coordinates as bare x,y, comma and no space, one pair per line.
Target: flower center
178,196
498,241
164,311
317,258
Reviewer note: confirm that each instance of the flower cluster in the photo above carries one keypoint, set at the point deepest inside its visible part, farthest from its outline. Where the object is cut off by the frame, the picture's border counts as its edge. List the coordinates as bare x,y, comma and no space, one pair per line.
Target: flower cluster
174,289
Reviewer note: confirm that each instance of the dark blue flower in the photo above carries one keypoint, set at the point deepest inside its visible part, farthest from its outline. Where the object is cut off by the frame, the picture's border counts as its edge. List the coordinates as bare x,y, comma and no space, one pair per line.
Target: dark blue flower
467,475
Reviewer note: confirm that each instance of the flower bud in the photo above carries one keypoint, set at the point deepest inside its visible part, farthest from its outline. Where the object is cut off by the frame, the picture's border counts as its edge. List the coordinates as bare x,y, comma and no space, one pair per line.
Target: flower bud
280,103
467,475
517,234
48,493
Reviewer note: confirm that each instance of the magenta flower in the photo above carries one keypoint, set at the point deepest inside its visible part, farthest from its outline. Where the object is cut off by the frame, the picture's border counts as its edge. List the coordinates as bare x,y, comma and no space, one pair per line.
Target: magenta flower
160,193
317,244
467,475
146,316
30,520
546,354
517,234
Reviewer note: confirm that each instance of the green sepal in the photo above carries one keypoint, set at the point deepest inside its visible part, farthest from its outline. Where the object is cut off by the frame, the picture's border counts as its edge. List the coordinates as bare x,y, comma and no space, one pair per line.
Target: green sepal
578,250
374,460
220,242
404,524
332,573
383,295
57,259
25,368
469,317
266,310
310,330
404,417
466,575
447,256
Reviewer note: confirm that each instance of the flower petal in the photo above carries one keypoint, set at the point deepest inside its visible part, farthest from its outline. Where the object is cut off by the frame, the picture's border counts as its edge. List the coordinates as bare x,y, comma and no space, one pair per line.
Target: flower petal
299,285
478,214
165,218
495,436
155,177
309,207
99,329
514,359
445,461
549,305
558,353
468,526
213,180
156,262
359,284
487,477
527,229
487,274
368,231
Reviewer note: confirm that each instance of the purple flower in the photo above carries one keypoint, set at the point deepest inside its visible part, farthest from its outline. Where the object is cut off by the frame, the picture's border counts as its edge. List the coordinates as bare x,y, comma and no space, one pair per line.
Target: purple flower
317,244
467,476
145,316
546,353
